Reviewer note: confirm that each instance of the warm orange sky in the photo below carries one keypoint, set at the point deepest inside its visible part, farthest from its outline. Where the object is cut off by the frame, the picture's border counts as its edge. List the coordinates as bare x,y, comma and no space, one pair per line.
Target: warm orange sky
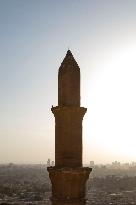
34,38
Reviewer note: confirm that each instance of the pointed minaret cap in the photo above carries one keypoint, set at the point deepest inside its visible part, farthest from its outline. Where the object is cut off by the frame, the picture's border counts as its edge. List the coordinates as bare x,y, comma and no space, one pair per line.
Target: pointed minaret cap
69,52
69,61
69,82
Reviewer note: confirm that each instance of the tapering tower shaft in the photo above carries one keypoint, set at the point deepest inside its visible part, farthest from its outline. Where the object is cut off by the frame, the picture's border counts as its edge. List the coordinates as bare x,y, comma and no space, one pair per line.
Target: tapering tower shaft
68,136
68,115
68,177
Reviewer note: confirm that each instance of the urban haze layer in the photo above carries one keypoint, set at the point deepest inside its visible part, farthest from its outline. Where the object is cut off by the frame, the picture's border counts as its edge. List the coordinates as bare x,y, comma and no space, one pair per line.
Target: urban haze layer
111,184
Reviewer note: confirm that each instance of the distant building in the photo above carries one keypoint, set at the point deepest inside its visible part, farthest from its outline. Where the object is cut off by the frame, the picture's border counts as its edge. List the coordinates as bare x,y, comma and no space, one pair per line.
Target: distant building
52,163
126,165
48,163
91,164
133,164
116,164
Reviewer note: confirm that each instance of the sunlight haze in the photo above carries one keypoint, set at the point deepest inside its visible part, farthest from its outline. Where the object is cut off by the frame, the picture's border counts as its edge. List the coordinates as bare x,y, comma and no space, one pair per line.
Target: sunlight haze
34,38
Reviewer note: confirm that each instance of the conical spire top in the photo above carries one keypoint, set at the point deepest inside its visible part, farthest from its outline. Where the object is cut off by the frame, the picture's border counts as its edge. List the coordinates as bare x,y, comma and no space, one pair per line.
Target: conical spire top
69,60
69,82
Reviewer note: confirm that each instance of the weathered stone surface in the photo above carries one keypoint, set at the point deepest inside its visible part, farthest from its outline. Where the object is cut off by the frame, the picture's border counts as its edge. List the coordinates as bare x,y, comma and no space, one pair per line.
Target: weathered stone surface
68,136
68,184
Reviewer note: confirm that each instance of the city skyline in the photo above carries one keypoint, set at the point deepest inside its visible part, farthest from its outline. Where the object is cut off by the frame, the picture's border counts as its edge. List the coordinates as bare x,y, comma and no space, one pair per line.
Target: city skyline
35,36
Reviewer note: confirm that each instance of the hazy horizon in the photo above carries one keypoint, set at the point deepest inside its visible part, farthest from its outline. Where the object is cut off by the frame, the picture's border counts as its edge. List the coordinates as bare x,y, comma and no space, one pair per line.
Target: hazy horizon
45,163
35,36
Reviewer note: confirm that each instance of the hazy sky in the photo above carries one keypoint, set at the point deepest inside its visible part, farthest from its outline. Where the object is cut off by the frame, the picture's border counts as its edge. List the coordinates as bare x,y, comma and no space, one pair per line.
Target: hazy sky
34,38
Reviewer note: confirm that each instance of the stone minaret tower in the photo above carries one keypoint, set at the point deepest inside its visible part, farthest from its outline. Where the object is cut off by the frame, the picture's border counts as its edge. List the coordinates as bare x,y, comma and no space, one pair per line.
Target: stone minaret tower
68,177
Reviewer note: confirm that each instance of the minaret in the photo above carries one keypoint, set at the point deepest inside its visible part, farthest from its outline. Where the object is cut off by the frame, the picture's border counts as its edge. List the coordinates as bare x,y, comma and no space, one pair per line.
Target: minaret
68,177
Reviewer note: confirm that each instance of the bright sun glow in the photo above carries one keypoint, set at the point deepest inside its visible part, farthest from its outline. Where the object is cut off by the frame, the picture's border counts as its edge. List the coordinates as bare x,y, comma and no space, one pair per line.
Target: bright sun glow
110,124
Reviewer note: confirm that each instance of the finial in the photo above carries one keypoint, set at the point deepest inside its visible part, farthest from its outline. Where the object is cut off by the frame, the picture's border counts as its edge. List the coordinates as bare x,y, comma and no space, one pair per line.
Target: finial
69,52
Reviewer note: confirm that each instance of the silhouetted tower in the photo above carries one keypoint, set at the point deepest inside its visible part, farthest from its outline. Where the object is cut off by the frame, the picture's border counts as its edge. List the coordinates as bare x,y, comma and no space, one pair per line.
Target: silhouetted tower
68,177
